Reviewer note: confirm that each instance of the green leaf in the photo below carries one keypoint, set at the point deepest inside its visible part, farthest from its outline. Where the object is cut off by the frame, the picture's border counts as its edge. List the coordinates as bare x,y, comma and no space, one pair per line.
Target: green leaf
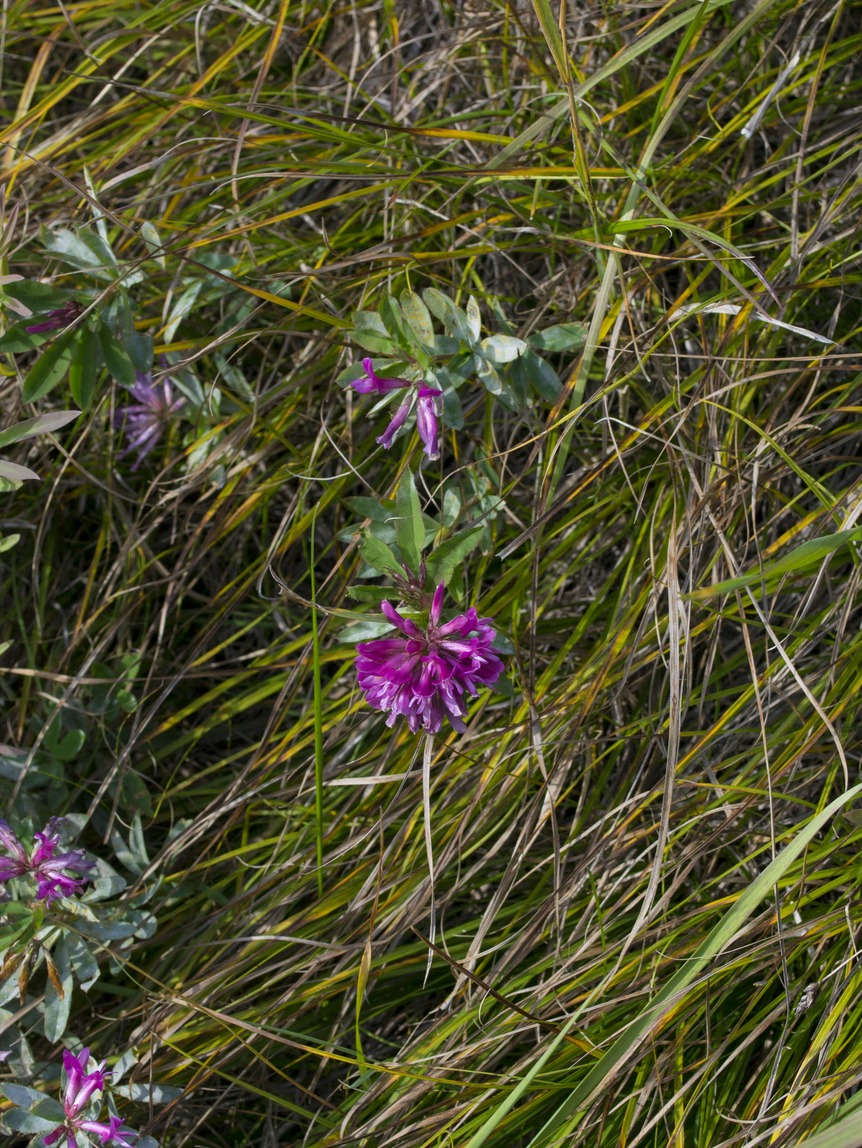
451,316
15,474
444,559
453,412
561,337
451,507
419,318
373,594
409,527
150,236
139,348
181,307
499,349
40,298
531,373
378,555
802,559
83,962
368,321
41,424
49,368
363,631
21,1121
378,510
84,367
119,365
83,249
474,318
396,325
7,541
376,344
489,376
15,340
148,1093
21,1095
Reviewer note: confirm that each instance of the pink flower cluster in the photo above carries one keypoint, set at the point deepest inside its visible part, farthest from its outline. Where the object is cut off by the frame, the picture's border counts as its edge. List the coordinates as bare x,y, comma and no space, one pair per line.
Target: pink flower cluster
80,1089
427,675
44,864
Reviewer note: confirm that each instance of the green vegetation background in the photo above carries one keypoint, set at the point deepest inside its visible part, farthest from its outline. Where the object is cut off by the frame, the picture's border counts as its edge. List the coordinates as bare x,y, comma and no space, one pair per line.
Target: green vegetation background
678,176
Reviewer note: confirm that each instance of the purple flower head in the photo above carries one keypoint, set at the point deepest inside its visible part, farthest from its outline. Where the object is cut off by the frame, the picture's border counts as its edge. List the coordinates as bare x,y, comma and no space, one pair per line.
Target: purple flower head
372,384
54,320
426,675
43,864
81,1087
426,420
144,422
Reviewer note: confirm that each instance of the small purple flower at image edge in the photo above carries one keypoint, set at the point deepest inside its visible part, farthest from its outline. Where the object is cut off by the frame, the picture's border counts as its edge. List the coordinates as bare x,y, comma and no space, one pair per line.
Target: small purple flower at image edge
43,864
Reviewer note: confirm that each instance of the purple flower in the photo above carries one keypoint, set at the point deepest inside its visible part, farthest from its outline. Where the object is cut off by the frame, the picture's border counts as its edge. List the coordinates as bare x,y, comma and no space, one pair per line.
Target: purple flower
144,422
51,881
54,320
426,420
426,407
372,384
80,1087
396,422
426,675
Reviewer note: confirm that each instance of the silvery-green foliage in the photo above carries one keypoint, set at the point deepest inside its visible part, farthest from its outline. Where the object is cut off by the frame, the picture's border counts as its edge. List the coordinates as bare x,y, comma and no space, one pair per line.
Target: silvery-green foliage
404,333
72,937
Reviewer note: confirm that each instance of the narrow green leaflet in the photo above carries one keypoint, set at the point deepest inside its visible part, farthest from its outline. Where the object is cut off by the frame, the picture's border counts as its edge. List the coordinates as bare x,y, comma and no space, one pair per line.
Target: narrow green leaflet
84,368
116,360
419,318
443,561
41,424
49,368
453,318
83,249
560,337
378,555
499,349
395,324
802,559
15,473
58,1004
409,527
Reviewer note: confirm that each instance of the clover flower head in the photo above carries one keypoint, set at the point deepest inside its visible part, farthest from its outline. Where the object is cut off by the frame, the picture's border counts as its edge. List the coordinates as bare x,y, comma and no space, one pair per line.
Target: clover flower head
144,422
44,864
81,1087
426,675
